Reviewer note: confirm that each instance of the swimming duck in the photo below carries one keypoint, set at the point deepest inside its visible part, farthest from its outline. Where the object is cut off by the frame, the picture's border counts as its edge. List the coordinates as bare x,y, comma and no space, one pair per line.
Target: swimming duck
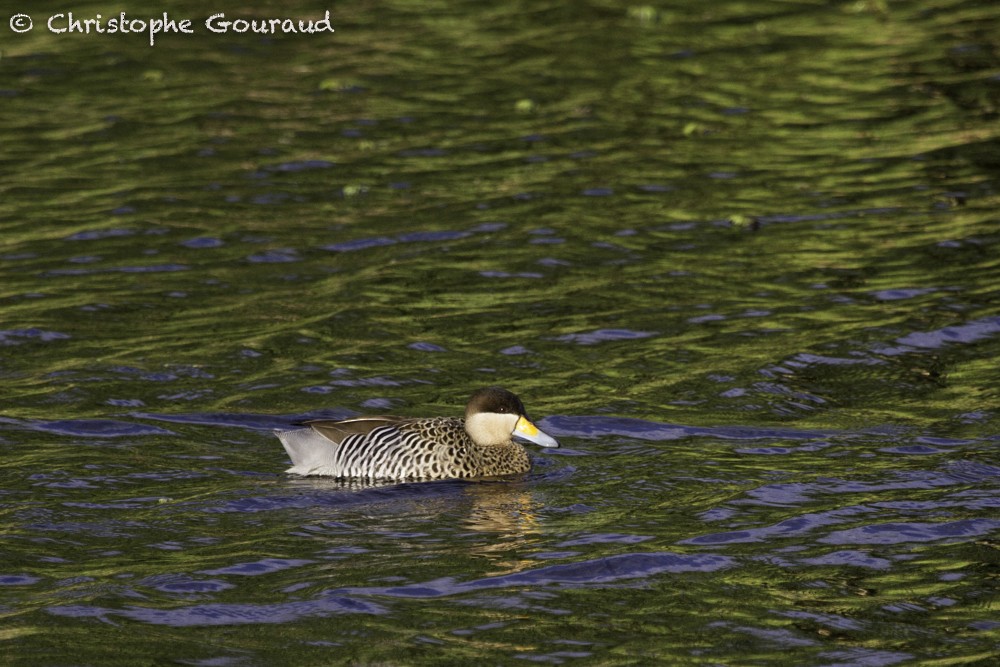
397,448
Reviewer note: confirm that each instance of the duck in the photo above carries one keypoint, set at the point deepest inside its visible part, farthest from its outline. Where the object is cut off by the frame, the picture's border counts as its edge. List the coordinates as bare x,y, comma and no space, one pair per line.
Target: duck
388,448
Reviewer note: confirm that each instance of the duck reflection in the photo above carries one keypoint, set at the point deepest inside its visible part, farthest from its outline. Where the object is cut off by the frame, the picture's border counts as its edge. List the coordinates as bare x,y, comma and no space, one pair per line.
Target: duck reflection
506,515
495,519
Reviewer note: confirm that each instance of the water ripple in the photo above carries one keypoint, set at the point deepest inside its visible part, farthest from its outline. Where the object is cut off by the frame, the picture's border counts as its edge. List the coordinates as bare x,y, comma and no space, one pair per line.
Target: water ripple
897,533
18,336
228,614
596,571
604,335
90,428
599,427
264,566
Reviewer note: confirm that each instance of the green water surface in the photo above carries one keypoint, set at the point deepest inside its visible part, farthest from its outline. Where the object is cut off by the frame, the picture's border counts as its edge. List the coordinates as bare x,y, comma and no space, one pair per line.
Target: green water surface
740,257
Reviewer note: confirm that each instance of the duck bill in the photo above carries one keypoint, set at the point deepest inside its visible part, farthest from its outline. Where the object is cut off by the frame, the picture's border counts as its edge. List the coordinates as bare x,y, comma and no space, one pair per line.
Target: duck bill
525,430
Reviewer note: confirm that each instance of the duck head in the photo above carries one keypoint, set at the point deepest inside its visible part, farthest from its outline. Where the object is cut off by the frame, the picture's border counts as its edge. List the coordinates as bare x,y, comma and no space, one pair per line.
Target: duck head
494,415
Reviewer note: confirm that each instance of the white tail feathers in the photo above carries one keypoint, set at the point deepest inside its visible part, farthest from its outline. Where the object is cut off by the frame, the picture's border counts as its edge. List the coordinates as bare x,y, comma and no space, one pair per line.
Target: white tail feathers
311,453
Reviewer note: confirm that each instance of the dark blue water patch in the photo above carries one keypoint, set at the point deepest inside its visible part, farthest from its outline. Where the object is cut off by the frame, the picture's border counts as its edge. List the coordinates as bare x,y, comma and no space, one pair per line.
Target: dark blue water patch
515,350
784,451
61,479
972,499
360,244
348,550
69,272
779,637
805,360
709,317
899,533
604,538
18,579
601,427
718,514
175,373
124,530
466,632
554,555
489,227
797,493
985,626
598,571
432,236
96,234
970,332
901,293
312,492
598,192
911,450
19,336
971,472
150,268
184,584
863,657
604,335
829,620
943,442
129,503
202,242
275,256
245,421
255,568
58,479
542,231
381,404
374,381
850,558
91,428
793,527
506,274
421,346
226,614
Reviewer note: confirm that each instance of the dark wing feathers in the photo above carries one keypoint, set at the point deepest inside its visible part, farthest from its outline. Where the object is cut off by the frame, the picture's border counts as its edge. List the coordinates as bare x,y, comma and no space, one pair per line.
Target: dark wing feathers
337,430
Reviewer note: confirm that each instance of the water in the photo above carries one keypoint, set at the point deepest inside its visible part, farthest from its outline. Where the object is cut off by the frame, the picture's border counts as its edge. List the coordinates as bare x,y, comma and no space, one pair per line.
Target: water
739,258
